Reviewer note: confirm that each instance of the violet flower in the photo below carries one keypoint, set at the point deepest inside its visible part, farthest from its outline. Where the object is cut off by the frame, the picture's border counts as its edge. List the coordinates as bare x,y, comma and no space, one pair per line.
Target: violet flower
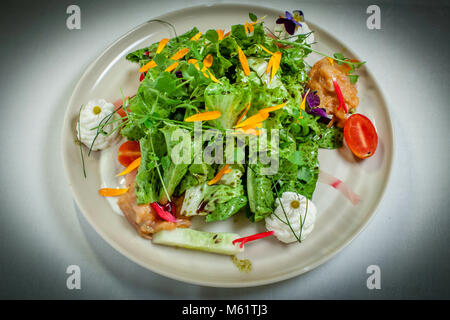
313,101
290,23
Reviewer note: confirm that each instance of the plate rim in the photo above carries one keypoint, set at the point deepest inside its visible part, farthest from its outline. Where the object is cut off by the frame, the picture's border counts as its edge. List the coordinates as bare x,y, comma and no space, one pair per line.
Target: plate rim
253,283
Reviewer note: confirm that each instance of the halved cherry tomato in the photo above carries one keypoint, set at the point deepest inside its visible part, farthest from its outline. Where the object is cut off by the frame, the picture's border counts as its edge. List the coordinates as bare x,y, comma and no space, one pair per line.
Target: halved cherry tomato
118,104
360,136
128,152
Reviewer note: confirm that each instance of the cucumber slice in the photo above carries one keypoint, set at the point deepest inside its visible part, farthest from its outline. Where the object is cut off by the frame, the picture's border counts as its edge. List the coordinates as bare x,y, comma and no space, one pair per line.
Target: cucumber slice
217,242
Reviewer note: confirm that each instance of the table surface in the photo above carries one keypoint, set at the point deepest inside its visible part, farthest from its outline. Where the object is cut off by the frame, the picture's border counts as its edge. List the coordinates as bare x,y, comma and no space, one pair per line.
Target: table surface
42,231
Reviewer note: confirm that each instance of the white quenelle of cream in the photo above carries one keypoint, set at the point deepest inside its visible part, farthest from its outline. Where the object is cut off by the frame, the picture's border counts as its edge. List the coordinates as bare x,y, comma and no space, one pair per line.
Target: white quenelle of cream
91,115
301,213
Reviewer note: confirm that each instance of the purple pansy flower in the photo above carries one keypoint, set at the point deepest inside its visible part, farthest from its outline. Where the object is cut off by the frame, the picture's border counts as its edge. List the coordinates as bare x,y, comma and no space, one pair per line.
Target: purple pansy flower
313,101
290,22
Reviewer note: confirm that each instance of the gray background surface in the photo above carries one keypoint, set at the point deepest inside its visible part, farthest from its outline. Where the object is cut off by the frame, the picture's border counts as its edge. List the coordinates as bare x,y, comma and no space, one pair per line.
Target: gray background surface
42,231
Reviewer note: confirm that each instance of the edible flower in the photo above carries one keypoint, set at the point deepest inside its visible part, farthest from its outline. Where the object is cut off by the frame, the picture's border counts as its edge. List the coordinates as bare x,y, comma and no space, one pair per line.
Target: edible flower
313,101
161,45
253,120
180,54
250,129
204,116
291,22
243,113
254,129
151,63
207,62
195,63
274,108
163,214
221,33
147,66
135,164
257,236
226,169
112,192
274,64
302,105
244,62
211,76
249,27
196,37
171,67
339,95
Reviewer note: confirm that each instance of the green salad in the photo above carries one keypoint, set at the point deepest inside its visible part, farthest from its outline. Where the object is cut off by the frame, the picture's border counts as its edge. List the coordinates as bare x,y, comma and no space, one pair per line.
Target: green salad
196,91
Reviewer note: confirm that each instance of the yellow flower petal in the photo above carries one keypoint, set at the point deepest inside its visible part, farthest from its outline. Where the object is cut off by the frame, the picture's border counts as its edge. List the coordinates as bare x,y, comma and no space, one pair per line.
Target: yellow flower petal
213,78
226,169
135,164
195,63
262,47
207,62
259,117
244,62
196,37
275,64
243,114
248,27
254,129
221,33
274,108
112,192
147,66
171,67
180,54
161,45
204,116
303,104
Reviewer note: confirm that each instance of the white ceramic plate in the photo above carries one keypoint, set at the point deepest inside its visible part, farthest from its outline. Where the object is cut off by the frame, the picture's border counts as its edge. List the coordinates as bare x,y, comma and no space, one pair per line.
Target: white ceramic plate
338,221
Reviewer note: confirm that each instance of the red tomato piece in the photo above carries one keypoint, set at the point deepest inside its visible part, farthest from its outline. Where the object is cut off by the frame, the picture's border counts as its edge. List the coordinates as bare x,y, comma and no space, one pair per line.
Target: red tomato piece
360,136
118,104
128,152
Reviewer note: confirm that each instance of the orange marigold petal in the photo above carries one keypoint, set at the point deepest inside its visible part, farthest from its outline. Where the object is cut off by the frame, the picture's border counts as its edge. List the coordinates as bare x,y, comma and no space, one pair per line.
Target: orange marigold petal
204,116
275,64
213,78
303,104
135,164
207,62
274,108
195,63
180,54
226,169
221,33
259,117
112,192
196,37
244,62
266,50
171,67
147,66
161,45
243,113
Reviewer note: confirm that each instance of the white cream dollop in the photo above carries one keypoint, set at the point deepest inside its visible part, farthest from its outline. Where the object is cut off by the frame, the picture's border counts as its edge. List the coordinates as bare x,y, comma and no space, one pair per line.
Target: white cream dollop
296,207
281,33
91,115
